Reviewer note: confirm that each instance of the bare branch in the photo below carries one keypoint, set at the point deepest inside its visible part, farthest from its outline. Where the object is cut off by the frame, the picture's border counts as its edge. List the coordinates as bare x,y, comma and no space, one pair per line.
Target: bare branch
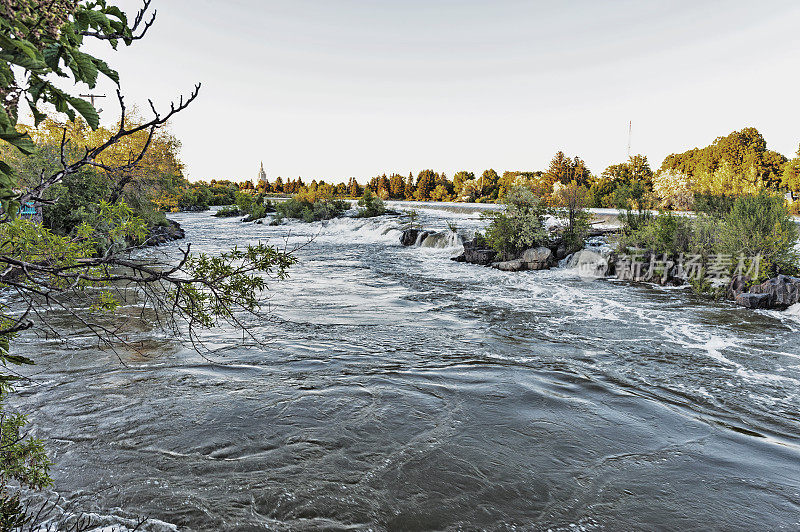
91,154
136,23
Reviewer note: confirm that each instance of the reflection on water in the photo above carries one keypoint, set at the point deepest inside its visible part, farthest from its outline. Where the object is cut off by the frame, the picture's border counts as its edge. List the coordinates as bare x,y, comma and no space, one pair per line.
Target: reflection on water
399,390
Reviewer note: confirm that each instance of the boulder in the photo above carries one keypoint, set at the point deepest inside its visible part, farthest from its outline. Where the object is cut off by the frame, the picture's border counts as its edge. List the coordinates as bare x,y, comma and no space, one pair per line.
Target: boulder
483,257
540,258
162,234
753,301
512,266
588,263
738,285
783,291
474,253
409,237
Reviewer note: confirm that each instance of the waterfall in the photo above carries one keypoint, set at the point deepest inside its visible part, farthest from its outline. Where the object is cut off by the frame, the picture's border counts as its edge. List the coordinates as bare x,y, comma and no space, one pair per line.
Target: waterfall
443,240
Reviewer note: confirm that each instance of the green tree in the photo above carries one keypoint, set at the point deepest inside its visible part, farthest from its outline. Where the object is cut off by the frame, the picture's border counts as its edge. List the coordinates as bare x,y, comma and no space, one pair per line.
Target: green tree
744,151
90,273
426,181
791,174
564,169
397,186
459,179
353,188
370,205
624,185
488,183
571,201
520,226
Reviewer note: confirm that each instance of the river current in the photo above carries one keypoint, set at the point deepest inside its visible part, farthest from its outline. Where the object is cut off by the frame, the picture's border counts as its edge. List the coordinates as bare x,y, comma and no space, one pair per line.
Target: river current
398,390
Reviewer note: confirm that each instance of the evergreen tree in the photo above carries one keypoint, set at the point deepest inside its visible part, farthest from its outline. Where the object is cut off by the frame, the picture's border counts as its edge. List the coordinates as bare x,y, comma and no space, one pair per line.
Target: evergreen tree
426,182
410,188
353,188
397,186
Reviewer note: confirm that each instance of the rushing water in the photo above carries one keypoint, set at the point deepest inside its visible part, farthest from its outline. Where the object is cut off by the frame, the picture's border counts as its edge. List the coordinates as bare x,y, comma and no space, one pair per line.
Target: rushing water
399,390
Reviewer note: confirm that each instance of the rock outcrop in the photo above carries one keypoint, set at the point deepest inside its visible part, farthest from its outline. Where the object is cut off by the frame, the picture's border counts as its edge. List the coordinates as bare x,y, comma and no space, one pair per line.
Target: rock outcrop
777,293
162,234
409,237
538,258
475,253
510,266
754,301
590,264
781,292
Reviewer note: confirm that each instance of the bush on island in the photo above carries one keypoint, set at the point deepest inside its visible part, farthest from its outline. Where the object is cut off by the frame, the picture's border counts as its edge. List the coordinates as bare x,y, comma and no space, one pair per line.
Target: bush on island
311,206
751,230
520,226
370,205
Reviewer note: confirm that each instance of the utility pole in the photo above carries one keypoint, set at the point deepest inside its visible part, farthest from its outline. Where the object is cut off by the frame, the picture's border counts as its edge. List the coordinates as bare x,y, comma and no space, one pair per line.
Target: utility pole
630,134
92,98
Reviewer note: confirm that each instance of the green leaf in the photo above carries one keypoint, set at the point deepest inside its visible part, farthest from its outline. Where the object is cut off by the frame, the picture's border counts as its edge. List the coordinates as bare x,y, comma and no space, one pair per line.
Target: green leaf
38,116
86,110
109,72
21,141
29,64
86,70
6,76
26,48
5,169
99,20
5,121
52,55
114,11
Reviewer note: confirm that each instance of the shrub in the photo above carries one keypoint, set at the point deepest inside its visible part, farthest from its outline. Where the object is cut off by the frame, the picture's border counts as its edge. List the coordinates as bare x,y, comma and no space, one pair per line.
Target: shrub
311,206
755,231
629,195
228,211
571,201
666,234
760,225
259,209
718,205
520,226
410,220
76,191
371,205
631,221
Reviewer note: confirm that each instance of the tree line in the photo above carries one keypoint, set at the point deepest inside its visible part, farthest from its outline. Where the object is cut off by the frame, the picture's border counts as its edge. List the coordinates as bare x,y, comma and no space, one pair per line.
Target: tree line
731,166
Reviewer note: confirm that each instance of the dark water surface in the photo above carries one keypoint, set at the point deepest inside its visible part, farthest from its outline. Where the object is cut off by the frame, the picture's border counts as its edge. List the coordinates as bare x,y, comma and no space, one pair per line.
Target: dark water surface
402,391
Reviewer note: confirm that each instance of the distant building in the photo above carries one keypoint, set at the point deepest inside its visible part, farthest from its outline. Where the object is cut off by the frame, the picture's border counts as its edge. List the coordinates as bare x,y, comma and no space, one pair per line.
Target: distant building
262,175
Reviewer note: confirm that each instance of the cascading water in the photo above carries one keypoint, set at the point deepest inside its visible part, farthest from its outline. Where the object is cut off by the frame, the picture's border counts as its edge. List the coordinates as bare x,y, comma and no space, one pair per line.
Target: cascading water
399,390
441,240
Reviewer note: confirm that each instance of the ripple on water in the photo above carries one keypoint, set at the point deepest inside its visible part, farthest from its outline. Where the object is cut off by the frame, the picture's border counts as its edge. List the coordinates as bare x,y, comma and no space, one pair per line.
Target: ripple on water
395,389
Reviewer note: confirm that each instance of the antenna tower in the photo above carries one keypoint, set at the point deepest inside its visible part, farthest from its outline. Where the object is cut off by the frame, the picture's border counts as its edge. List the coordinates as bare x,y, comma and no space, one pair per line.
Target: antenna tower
630,134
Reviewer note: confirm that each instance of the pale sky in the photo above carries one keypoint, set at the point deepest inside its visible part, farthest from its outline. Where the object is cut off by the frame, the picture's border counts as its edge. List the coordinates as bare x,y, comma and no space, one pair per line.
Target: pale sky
329,90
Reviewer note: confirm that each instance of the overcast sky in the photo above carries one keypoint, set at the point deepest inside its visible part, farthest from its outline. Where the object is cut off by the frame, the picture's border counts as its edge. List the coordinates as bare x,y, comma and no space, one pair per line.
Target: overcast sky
324,89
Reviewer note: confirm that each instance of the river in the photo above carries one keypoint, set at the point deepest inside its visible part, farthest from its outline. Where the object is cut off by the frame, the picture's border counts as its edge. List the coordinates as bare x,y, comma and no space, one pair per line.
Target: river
398,390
